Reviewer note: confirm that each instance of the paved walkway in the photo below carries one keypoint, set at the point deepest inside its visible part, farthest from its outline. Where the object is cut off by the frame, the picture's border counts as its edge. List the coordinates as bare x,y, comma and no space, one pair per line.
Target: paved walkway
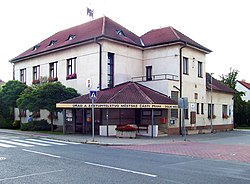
234,145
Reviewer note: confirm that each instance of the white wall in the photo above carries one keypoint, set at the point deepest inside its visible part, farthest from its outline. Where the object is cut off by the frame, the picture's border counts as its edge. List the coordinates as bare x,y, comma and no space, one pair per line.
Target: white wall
242,88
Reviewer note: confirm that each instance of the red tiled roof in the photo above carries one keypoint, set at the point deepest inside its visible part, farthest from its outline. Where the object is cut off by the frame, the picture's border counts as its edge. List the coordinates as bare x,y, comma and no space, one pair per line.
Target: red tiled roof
126,93
217,85
168,35
85,32
104,27
247,85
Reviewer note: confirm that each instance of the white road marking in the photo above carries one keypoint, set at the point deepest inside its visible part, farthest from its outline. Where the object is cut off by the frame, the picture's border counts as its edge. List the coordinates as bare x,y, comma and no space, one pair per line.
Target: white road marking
66,142
48,142
6,146
30,142
120,169
41,153
16,143
29,175
2,158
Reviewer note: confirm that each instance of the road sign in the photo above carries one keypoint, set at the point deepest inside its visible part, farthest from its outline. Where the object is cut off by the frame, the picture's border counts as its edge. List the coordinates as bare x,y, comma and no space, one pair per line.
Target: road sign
92,94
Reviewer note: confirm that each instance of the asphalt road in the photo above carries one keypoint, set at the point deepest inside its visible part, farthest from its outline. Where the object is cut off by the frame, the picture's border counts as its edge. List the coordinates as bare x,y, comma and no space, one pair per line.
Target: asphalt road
60,162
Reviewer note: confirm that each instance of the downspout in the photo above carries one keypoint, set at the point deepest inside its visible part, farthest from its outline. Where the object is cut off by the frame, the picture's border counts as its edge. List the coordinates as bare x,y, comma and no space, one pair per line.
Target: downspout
185,44
100,72
100,63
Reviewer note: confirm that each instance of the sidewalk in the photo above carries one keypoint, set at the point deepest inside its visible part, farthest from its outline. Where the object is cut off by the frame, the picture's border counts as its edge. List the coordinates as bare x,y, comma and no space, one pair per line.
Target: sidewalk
239,137
99,140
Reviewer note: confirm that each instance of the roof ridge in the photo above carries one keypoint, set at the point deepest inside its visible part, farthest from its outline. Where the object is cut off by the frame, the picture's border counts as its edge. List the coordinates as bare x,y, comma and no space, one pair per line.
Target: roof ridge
116,94
143,94
174,32
103,24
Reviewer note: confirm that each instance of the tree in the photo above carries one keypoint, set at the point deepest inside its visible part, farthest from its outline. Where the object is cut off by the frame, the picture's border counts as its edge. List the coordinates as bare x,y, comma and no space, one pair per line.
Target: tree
45,96
9,93
239,105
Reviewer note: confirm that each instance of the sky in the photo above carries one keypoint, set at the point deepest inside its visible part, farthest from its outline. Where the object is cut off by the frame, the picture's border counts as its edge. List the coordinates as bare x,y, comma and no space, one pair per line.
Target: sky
223,26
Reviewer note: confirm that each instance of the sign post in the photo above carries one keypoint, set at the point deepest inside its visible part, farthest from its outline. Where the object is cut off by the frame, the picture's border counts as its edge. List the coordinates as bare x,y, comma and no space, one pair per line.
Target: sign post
183,104
92,95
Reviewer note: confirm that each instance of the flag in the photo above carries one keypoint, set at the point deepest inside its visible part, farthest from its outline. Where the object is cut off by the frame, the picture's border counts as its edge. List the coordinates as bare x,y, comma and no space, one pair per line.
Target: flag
90,12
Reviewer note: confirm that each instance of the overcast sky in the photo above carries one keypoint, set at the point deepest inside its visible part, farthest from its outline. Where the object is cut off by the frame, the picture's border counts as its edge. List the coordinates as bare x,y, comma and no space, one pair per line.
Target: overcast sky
223,26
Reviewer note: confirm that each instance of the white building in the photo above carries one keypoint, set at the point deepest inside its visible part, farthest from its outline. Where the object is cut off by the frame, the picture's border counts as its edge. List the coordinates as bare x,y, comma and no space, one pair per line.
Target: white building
243,86
163,59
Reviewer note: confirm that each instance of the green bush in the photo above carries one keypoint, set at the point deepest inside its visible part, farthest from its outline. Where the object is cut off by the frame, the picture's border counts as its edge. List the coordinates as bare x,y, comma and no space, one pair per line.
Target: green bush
40,125
6,123
16,124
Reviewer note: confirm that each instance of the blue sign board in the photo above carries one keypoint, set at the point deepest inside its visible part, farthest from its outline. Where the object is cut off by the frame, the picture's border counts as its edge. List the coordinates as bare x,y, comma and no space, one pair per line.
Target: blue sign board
92,94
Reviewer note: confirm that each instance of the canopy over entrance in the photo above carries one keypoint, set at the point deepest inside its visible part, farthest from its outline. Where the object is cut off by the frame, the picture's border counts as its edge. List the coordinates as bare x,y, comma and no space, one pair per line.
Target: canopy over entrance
126,95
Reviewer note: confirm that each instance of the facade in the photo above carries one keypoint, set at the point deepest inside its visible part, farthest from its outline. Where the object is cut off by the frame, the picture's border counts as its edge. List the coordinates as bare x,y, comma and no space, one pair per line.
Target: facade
103,51
244,87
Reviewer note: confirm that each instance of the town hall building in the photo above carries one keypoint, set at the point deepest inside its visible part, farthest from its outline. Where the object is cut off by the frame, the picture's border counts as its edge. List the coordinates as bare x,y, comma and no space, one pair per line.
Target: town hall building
134,76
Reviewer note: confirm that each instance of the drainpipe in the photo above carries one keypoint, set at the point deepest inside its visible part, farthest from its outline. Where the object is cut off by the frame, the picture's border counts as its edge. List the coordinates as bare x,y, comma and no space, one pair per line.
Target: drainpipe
185,44
100,72
100,63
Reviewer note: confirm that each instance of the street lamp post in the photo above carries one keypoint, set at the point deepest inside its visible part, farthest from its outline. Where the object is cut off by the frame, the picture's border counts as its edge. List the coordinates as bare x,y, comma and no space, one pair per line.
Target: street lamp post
211,107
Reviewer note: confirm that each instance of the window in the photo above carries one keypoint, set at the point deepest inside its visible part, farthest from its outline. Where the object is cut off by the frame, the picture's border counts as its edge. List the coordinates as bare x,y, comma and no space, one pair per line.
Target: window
120,32
198,108
200,69
52,42
71,68
36,73
209,110
195,96
110,70
71,37
23,75
186,113
224,112
202,108
52,71
174,96
185,66
148,73
35,47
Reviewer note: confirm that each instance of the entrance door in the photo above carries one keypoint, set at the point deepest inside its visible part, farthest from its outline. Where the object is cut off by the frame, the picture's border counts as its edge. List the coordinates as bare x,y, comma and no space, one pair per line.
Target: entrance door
79,120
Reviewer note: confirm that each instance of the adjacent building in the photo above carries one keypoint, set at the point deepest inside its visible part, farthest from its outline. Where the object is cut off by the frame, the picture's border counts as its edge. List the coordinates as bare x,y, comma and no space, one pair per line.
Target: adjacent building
243,86
109,55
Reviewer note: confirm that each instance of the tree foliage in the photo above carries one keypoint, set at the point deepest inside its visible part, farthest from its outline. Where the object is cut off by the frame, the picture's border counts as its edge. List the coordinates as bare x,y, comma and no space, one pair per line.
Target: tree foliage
241,108
9,94
45,96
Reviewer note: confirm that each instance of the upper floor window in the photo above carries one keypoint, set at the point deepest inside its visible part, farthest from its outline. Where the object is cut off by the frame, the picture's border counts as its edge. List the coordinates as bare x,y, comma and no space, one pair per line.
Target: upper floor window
35,47
200,69
36,73
71,37
110,70
23,75
71,68
52,72
148,73
52,42
185,65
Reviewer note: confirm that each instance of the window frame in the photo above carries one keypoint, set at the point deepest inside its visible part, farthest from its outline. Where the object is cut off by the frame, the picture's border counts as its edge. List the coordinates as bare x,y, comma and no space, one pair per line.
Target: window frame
36,73
200,69
149,73
198,108
23,75
110,70
53,70
185,66
71,68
